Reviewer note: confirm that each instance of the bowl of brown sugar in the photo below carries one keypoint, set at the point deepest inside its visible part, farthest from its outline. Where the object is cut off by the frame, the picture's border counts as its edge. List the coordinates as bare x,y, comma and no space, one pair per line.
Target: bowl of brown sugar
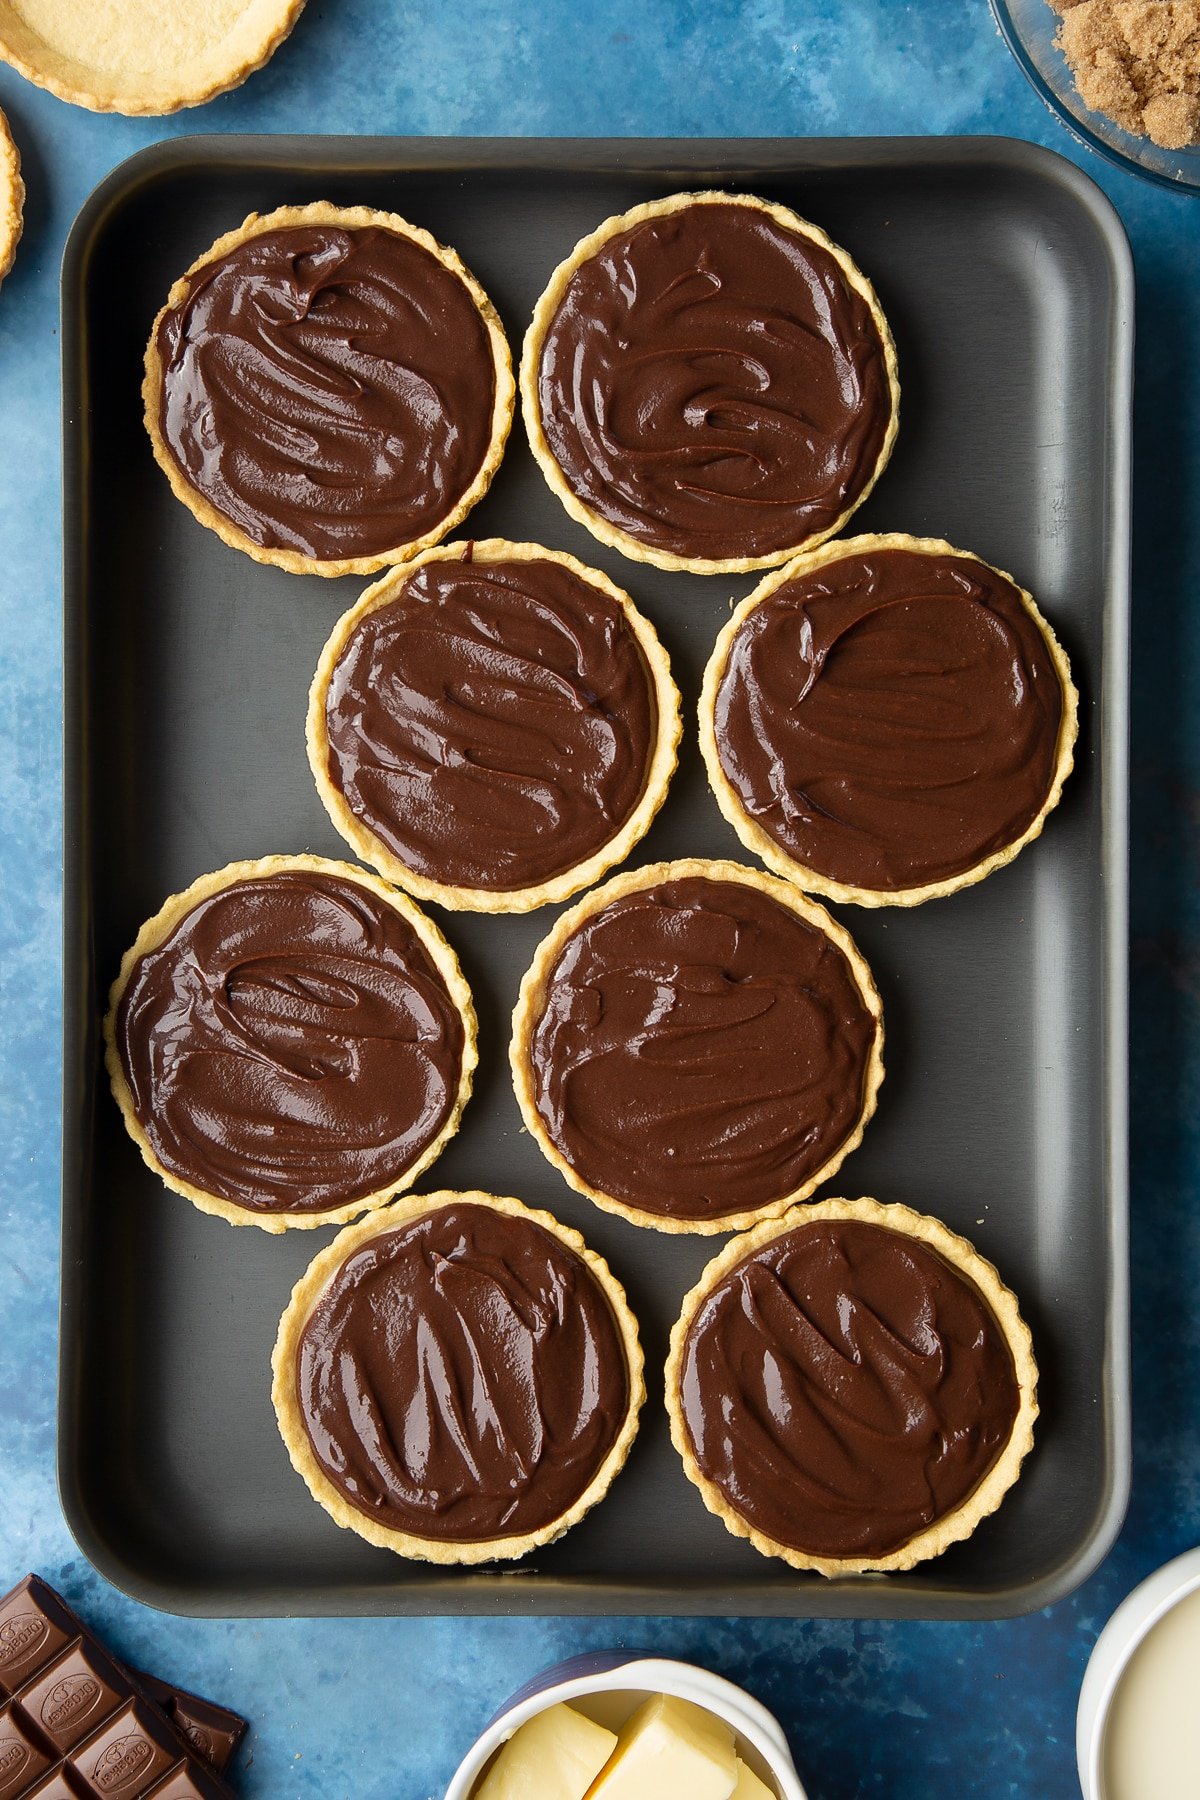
1122,75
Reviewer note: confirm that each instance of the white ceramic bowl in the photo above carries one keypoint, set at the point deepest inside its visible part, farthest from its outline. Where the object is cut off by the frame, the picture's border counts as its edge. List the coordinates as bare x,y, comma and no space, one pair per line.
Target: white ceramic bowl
608,1688
1128,1626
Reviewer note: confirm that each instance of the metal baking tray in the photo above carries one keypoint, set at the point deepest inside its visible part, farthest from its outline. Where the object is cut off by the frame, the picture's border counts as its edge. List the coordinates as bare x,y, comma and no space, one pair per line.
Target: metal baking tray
1007,280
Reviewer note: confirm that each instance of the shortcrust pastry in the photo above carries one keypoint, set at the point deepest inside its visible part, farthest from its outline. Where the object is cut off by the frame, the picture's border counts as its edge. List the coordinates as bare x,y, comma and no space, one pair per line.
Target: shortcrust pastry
851,1387
290,1042
709,383
458,1379
493,726
12,198
887,720
697,1045
328,389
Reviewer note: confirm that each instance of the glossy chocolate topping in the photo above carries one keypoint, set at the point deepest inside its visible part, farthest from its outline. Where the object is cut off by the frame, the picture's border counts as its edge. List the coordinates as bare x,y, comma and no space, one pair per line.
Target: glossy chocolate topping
290,1047
328,391
493,725
844,1387
891,719
713,386
701,1049
463,1376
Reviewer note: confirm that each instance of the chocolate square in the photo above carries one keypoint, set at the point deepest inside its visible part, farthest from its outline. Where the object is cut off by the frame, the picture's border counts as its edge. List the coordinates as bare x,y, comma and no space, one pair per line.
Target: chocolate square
191,1781
213,1731
34,1627
21,1758
60,1784
75,1695
128,1754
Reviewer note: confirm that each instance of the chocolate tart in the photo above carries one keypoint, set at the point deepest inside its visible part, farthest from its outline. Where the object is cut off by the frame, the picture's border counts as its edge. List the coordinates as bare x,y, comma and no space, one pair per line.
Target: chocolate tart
496,1378
290,1042
709,384
142,56
12,198
697,1046
328,389
851,1387
493,726
887,720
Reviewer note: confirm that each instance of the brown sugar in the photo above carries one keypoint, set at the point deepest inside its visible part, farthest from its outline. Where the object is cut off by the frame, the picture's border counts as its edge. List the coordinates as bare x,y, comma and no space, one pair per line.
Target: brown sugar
1138,61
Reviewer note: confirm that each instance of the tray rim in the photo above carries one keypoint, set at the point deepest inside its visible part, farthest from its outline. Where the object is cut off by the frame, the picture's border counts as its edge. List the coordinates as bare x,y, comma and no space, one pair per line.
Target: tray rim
514,1594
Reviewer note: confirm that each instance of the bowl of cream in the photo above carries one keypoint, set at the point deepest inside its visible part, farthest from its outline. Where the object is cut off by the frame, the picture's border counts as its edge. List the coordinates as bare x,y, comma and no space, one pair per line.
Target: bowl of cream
1138,1728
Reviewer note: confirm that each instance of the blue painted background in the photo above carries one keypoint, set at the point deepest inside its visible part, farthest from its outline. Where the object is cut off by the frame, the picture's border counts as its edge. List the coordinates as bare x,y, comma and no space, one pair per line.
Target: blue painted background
382,1709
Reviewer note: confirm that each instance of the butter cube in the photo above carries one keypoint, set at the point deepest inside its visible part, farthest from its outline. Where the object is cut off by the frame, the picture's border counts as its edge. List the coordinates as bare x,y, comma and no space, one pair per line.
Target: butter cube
749,1787
669,1750
553,1756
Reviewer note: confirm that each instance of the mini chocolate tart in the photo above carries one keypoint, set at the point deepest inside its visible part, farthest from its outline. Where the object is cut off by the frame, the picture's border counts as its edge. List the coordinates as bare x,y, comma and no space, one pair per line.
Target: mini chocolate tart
12,198
887,720
290,1042
697,1046
458,1379
851,1387
493,726
328,389
709,383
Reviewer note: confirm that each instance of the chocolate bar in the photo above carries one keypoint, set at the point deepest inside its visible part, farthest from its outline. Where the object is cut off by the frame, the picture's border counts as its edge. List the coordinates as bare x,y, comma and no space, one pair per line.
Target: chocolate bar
76,1725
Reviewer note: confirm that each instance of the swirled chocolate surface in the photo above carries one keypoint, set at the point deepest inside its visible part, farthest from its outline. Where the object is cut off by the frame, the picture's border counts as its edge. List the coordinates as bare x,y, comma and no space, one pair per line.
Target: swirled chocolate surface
700,1049
892,718
713,386
328,391
290,1046
462,1376
493,724
844,1388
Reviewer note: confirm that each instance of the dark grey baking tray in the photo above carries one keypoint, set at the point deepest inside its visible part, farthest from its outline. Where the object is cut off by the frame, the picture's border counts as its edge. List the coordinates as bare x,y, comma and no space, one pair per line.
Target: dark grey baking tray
1007,279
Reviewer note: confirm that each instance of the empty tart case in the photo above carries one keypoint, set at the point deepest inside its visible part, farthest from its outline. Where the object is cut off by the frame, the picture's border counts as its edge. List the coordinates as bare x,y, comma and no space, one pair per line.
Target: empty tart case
12,198
290,1042
493,726
142,56
696,1046
887,720
532,1326
851,1387
709,383
364,436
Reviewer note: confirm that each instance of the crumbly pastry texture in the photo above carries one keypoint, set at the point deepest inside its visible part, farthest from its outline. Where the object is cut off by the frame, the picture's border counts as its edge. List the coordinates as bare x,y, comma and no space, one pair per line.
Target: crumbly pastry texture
351,218
962,1256
142,56
543,317
307,1294
364,842
531,1000
1138,62
157,929
760,843
12,198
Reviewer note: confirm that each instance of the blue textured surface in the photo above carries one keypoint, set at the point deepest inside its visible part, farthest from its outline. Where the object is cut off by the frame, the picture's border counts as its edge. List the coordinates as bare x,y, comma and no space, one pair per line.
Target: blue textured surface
384,1708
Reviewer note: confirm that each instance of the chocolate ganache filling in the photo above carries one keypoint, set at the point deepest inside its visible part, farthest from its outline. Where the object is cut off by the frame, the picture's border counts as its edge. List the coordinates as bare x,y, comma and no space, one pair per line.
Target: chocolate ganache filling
701,1049
844,1387
713,386
290,1046
328,391
891,719
463,1376
493,724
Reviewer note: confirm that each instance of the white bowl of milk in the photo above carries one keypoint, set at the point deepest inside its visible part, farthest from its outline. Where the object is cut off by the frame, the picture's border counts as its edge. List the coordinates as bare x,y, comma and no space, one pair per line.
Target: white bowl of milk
1138,1728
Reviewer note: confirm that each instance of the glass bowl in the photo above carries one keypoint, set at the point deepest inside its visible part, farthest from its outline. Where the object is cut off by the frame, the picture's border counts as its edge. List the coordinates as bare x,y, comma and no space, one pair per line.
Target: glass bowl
1029,28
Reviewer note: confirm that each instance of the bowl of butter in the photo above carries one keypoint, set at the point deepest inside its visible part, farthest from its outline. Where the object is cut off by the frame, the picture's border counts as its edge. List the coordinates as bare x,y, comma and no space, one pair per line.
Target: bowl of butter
1138,1727
622,1727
